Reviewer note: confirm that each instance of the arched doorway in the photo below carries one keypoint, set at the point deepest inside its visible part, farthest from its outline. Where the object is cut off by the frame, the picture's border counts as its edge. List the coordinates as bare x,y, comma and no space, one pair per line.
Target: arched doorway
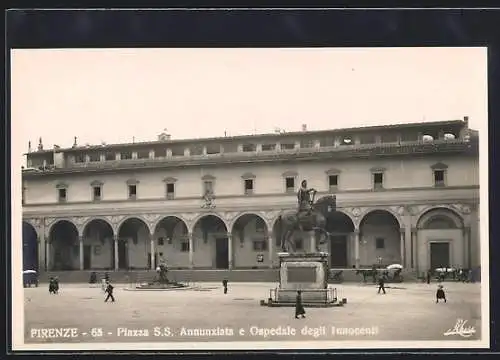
98,246
380,235
64,246
211,241
440,240
250,241
171,243
30,247
340,227
133,244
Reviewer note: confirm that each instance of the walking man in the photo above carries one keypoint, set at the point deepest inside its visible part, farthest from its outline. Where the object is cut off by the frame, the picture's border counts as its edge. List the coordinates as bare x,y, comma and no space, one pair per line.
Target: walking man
381,283
299,308
109,290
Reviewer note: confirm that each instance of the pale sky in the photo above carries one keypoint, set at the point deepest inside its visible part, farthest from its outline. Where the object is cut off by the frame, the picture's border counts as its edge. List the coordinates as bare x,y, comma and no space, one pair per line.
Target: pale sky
114,95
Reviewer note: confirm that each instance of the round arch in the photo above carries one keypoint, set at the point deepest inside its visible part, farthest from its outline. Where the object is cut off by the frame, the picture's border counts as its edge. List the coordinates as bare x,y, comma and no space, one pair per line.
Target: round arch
340,221
247,215
440,217
132,217
381,214
197,220
58,222
94,220
165,218
63,238
30,247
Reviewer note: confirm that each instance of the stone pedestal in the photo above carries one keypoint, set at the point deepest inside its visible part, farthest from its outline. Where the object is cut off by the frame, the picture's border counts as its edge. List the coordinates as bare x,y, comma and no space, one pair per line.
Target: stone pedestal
307,272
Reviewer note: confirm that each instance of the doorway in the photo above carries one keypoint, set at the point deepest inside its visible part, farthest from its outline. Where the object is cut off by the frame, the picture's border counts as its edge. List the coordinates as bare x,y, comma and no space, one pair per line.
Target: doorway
221,253
87,256
440,255
122,255
338,251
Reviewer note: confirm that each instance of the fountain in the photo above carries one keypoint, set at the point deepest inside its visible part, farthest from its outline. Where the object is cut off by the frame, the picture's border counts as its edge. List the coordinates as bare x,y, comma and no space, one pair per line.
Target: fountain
161,281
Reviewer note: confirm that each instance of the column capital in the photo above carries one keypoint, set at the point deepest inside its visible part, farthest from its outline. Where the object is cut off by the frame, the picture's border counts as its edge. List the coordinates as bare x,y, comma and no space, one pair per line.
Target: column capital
466,228
229,235
115,237
356,232
80,238
402,230
414,229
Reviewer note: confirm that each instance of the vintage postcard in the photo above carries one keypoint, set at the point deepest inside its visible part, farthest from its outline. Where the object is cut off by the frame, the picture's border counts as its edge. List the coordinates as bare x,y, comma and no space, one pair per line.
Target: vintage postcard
202,199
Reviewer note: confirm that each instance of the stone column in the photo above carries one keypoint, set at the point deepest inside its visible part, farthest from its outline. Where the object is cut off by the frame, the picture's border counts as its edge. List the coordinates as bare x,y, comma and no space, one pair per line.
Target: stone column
152,250
414,249
191,250
356,248
115,244
80,240
402,246
270,245
41,252
47,255
230,250
466,248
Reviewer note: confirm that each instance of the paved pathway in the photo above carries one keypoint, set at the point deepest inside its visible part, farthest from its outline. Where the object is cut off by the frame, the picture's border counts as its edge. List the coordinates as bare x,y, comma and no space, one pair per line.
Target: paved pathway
405,313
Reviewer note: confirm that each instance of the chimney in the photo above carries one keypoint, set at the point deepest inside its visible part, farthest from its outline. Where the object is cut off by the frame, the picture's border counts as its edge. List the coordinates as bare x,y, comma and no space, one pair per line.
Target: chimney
29,146
75,144
466,121
304,127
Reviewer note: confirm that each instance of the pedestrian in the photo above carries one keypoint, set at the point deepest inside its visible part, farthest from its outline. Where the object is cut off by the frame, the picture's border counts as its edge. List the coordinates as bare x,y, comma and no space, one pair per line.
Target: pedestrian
104,283
224,284
440,294
428,276
299,308
381,284
52,285
109,290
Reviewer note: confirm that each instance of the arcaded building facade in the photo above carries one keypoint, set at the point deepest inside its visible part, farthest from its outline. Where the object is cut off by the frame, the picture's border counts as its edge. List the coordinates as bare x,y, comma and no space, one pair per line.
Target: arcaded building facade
406,194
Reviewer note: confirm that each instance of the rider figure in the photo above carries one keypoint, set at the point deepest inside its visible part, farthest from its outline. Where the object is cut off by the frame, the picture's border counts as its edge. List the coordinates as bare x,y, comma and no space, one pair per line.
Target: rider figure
304,198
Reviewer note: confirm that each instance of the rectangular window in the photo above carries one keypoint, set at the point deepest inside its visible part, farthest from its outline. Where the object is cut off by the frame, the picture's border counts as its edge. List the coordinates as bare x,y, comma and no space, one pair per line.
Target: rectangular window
268,147
259,245
378,180
380,243
161,241
109,156
290,184
333,182
438,178
97,193
185,246
249,147
289,146
126,155
62,195
132,191
208,187
170,191
248,186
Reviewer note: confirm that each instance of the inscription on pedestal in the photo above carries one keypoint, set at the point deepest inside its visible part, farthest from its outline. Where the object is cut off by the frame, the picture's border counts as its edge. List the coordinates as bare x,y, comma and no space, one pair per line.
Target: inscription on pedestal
301,275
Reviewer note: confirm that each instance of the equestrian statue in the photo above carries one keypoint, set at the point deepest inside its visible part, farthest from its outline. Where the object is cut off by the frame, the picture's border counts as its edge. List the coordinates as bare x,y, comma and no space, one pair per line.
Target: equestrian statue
311,216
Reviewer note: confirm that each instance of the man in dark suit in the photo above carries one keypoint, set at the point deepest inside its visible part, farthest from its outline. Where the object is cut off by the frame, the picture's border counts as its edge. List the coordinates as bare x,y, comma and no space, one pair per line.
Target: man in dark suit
299,308
381,283
109,290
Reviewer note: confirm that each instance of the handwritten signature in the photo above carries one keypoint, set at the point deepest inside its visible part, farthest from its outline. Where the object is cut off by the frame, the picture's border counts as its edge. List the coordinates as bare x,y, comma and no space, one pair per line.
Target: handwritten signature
461,329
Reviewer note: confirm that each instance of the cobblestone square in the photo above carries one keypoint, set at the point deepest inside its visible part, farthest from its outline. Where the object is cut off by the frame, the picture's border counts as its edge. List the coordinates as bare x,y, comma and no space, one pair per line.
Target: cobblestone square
407,312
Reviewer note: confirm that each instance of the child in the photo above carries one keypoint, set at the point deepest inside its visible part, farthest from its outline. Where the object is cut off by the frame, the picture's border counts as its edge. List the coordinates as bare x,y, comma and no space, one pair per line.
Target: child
440,294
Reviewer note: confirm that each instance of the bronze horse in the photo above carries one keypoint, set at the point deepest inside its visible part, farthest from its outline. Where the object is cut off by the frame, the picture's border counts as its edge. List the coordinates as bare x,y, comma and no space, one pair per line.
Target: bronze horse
315,221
